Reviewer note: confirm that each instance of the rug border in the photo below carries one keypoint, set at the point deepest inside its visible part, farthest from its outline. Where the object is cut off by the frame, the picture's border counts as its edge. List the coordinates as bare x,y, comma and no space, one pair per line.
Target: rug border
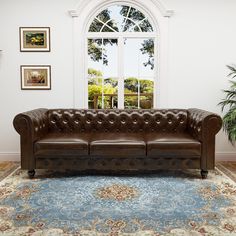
9,173
224,171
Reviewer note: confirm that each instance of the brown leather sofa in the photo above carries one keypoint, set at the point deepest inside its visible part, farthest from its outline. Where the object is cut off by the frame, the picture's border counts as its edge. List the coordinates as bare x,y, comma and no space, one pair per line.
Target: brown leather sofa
117,140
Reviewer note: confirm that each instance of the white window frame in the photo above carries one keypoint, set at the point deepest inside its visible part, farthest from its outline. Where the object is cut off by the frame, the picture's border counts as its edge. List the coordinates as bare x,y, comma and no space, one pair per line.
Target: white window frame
83,16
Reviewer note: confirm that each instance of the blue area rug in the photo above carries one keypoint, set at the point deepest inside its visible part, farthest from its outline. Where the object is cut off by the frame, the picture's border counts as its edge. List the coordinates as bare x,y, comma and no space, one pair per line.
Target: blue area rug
169,203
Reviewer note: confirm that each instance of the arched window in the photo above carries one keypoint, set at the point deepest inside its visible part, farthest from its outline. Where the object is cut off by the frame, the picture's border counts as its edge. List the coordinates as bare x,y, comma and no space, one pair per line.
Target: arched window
121,48
120,19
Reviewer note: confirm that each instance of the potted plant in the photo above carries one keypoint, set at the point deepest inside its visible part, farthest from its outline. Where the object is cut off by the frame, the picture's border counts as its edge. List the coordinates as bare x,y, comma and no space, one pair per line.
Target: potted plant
229,103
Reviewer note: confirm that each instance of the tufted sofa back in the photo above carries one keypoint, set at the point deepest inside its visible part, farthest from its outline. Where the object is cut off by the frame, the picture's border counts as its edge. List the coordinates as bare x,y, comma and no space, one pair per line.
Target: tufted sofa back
73,120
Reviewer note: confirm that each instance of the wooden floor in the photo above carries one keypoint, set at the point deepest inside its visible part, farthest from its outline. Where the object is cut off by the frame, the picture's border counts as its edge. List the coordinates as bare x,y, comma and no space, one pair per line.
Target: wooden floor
229,168
6,167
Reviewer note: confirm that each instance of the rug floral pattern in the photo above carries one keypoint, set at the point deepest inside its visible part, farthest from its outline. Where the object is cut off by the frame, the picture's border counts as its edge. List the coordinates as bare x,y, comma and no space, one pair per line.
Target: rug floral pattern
165,204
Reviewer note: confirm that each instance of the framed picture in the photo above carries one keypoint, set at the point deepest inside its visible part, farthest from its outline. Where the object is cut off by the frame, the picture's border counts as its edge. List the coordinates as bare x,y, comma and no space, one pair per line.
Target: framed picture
35,77
34,39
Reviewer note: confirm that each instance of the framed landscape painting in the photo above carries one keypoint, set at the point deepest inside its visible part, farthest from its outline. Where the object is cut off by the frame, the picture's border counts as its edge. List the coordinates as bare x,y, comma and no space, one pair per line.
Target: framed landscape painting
34,39
35,77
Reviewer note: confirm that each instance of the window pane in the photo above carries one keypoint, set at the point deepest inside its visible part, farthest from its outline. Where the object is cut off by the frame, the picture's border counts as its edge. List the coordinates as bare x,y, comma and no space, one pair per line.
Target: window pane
113,25
124,11
131,58
95,26
146,63
131,102
131,93
139,57
102,73
95,55
110,93
139,72
129,26
121,18
138,93
136,15
146,26
136,29
104,16
118,18
146,93
110,58
95,86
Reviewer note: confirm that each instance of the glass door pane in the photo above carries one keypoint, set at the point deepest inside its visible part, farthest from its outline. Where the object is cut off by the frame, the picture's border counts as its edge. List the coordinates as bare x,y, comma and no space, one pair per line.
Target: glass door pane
102,73
146,93
139,72
131,93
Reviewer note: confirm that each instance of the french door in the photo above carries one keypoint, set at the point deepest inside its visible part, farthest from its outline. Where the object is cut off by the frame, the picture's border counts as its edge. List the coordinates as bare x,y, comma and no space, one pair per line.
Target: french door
121,70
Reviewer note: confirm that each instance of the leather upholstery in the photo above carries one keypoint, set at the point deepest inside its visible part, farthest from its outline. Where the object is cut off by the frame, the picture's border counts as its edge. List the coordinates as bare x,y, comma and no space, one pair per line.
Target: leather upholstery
117,120
204,125
111,144
53,145
117,139
172,145
112,164
31,126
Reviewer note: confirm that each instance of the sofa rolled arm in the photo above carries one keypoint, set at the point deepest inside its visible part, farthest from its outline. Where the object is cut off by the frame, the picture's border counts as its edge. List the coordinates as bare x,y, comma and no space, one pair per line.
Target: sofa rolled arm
32,124
202,124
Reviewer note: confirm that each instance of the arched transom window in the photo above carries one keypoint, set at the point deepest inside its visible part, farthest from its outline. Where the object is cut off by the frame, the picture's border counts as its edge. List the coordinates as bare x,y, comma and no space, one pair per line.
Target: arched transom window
121,43
121,19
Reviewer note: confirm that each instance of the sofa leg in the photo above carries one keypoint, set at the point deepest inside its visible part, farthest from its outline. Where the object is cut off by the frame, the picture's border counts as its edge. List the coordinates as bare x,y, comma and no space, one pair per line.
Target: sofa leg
204,174
31,173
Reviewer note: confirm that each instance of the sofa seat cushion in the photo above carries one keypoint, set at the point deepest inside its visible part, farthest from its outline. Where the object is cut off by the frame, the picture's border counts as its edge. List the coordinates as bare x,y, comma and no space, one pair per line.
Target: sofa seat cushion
172,145
65,144
117,144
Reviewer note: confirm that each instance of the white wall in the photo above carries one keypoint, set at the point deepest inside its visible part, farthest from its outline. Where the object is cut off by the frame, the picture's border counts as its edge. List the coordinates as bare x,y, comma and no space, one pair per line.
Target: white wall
201,43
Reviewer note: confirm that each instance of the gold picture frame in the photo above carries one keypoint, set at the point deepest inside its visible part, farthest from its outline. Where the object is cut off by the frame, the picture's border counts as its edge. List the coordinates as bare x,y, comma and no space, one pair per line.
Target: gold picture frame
35,77
34,39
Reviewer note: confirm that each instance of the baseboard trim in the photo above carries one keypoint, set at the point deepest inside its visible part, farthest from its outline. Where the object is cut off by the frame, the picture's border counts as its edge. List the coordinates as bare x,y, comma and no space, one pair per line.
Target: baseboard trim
226,156
220,156
9,156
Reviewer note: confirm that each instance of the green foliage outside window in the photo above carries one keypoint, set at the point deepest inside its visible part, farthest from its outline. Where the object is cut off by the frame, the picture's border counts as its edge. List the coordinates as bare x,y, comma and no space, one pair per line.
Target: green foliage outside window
97,87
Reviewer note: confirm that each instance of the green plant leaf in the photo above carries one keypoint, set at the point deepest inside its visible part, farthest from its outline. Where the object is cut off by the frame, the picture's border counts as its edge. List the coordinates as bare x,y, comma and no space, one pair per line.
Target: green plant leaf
229,102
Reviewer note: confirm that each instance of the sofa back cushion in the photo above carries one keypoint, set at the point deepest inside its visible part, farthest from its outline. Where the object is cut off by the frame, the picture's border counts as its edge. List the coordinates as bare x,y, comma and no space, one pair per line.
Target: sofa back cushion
76,120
